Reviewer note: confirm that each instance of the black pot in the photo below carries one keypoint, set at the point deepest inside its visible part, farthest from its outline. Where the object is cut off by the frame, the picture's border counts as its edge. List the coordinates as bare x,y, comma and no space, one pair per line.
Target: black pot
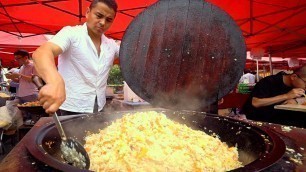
258,148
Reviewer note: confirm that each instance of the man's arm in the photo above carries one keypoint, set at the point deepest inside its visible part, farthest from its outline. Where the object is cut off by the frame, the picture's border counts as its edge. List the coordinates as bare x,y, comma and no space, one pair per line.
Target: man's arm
52,95
11,75
18,75
15,80
44,61
260,102
15,77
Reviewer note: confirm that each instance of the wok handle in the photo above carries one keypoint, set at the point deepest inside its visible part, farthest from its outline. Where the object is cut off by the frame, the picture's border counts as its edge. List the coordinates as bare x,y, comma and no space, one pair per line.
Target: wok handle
38,81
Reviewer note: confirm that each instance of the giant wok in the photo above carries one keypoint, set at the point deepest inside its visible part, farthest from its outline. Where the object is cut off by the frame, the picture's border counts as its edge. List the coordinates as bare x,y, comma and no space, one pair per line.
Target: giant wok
258,148
180,55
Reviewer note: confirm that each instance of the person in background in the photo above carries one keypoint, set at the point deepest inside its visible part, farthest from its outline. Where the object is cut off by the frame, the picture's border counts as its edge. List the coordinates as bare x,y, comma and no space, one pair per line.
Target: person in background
247,77
273,90
27,91
1,74
85,59
13,86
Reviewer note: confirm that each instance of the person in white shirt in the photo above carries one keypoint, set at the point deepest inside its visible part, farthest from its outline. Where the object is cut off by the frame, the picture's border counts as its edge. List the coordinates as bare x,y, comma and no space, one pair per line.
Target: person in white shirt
13,86
247,78
85,58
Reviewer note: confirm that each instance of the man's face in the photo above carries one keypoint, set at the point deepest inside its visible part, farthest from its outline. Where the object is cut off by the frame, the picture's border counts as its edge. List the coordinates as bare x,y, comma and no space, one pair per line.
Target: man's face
300,81
21,60
99,19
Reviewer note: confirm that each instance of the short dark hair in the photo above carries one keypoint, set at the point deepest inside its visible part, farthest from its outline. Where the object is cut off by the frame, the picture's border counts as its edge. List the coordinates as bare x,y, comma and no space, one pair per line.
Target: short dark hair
246,71
22,53
110,3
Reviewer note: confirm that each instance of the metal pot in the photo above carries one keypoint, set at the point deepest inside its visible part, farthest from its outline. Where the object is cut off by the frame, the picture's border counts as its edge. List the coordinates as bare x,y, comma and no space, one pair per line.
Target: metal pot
258,148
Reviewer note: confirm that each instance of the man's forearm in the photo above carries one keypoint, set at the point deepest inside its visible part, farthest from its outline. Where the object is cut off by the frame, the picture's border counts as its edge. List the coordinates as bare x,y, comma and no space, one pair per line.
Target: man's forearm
27,78
260,102
45,65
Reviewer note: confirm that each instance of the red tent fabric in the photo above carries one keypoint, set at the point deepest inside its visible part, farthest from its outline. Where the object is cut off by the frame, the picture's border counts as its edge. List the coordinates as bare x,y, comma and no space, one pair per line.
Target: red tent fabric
7,54
10,43
278,26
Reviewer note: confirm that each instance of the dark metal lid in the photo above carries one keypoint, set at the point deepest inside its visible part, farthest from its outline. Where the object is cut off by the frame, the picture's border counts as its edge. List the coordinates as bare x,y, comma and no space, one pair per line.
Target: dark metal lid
182,54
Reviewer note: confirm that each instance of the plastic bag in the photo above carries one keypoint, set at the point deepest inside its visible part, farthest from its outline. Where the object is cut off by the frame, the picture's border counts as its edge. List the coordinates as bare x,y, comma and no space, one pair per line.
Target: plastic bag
15,114
5,118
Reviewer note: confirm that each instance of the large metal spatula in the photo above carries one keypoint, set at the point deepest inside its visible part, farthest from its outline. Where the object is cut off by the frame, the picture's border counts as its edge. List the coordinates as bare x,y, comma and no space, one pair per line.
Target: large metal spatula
73,151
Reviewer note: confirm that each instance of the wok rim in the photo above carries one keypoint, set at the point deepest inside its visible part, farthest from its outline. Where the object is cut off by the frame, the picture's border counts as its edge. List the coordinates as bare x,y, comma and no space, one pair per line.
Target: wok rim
265,160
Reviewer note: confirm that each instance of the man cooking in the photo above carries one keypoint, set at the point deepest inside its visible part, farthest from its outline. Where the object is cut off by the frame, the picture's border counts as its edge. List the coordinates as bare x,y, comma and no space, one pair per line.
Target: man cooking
27,91
277,89
85,58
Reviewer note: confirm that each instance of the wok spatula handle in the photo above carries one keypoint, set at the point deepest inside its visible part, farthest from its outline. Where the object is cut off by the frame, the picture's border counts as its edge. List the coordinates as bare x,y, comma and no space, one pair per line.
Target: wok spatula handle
59,127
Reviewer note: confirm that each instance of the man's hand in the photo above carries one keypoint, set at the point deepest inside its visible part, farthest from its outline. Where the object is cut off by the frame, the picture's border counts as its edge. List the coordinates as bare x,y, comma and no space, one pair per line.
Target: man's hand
52,95
12,75
290,101
301,100
295,93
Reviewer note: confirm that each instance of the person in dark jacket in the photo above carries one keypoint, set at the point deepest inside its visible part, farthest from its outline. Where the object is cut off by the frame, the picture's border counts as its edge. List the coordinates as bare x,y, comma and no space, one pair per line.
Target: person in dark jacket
274,90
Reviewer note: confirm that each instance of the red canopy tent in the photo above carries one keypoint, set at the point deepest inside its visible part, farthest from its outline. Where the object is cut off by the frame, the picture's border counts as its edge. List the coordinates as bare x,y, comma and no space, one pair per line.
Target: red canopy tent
278,26
9,43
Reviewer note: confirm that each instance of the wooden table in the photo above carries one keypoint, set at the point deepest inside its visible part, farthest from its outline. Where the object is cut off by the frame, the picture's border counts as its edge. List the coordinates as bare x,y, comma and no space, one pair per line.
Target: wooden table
19,158
292,107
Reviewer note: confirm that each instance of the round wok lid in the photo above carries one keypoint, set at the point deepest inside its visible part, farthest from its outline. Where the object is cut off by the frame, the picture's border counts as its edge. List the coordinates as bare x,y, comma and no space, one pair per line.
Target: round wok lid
182,54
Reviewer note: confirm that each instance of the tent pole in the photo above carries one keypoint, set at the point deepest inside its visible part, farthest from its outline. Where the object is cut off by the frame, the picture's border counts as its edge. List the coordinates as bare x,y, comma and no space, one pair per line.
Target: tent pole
257,72
80,11
251,17
270,64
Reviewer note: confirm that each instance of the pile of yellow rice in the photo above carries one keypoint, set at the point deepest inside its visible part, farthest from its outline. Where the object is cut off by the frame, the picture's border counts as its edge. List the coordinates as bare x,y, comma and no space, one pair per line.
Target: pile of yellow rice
149,141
